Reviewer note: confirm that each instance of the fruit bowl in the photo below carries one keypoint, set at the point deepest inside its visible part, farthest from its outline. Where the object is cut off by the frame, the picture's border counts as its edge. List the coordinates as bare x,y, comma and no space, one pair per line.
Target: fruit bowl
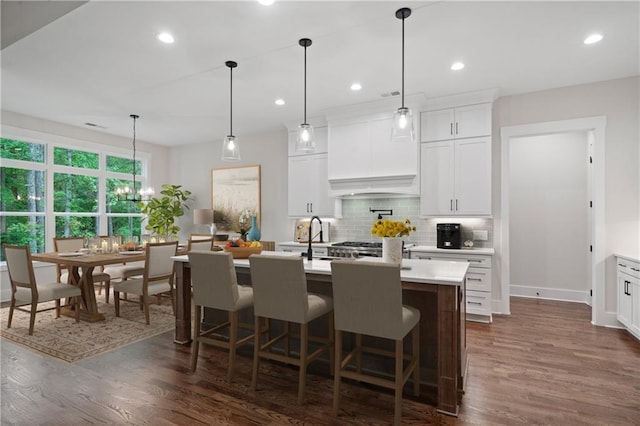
243,252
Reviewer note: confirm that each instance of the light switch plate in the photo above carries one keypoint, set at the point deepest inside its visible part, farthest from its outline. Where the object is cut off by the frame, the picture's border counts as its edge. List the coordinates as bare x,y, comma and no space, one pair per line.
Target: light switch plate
480,235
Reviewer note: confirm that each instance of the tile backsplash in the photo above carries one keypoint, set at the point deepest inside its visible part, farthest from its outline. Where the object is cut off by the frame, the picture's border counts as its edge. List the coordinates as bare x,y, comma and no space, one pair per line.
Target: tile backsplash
358,219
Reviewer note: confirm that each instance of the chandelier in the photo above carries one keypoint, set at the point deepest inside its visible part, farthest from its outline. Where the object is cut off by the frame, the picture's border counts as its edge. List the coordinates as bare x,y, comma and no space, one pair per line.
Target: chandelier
127,193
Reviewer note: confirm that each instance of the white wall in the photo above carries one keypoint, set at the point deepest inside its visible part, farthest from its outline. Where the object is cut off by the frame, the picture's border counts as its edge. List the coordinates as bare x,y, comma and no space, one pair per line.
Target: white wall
548,209
618,101
191,166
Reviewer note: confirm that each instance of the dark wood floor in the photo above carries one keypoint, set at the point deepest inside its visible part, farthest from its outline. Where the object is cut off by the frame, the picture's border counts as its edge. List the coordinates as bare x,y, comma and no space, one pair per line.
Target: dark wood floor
545,364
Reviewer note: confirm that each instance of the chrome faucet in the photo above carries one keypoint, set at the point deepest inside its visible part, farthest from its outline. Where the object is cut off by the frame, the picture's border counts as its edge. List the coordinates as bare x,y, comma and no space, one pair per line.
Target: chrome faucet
309,250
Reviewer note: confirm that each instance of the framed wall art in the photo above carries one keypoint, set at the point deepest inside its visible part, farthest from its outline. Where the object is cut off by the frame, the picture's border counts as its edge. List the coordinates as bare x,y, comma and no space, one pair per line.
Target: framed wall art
235,197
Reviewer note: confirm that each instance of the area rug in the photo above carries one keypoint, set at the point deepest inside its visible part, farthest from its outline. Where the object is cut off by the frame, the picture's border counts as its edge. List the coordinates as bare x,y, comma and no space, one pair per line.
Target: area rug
67,340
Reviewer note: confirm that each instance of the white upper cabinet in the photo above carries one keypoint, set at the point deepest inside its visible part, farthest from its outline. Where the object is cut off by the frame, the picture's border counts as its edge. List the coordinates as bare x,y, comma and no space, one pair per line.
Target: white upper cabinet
456,123
455,177
308,190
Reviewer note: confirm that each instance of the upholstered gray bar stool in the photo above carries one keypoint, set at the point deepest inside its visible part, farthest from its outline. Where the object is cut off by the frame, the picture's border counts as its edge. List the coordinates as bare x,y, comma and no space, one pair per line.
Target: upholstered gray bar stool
280,293
368,301
214,283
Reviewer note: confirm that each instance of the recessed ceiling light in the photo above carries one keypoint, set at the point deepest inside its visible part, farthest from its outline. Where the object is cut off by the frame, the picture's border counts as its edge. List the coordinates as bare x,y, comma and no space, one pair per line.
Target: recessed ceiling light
165,38
266,2
593,38
279,102
457,66
356,86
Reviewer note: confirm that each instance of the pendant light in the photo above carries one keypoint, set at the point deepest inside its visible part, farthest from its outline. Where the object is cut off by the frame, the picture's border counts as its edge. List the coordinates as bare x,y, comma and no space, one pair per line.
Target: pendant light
230,146
403,119
130,194
305,142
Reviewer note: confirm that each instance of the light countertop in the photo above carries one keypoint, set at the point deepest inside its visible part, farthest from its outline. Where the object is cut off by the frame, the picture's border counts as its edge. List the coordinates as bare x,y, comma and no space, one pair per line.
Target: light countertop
630,259
413,270
461,251
298,244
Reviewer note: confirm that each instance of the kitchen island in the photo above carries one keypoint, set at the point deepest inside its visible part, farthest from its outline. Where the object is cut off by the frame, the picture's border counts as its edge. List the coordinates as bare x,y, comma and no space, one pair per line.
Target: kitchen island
436,288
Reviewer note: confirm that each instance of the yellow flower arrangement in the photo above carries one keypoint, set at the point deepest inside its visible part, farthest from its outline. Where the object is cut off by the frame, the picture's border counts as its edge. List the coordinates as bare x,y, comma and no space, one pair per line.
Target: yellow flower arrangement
389,228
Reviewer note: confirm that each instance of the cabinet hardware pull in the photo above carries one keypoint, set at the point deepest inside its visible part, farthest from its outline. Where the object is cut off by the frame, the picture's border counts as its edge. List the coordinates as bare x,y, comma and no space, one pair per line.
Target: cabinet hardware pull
456,128
451,130
622,264
626,287
311,208
634,269
474,279
469,302
451,205
456,204
474,260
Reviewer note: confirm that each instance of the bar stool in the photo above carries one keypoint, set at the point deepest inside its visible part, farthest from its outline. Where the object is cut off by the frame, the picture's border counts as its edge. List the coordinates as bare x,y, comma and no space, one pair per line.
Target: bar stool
280,293
368,301
214,283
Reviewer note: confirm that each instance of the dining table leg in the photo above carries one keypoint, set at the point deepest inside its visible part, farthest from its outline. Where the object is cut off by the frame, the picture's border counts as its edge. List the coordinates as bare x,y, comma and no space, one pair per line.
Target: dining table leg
89,306
183,303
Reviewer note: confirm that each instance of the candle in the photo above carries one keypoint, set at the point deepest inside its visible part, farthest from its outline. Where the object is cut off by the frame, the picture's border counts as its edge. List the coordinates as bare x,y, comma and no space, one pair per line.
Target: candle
105,246
115,247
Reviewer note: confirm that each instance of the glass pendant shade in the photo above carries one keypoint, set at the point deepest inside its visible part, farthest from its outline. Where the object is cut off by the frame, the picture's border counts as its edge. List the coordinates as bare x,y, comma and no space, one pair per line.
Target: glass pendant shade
306,141
230,149
403,129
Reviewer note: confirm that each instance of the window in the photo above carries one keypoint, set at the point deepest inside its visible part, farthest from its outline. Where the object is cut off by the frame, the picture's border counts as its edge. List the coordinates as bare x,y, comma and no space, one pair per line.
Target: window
82,203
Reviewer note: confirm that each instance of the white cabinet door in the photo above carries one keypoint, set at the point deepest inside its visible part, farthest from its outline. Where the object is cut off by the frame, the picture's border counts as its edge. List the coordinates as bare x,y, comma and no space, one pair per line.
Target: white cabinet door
390,158
473,176
625,305
472,121
456,123
437,164
634,291
349,150
437,125
455,177
308,186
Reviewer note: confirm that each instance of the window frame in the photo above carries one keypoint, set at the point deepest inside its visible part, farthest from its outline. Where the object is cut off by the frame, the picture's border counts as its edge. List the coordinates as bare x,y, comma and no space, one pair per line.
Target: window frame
51,141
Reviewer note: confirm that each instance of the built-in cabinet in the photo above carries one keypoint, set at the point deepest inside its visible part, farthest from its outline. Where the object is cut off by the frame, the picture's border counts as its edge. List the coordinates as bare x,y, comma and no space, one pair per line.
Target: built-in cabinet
455,159
319,249
479,287
456,177
308,190
628,274
456,123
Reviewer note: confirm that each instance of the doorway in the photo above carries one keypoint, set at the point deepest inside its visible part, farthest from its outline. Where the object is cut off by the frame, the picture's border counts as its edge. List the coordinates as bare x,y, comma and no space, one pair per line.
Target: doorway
594,127
548,216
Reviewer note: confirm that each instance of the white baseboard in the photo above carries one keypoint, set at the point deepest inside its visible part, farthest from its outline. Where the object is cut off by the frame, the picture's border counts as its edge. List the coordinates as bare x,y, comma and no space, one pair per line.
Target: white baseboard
578,296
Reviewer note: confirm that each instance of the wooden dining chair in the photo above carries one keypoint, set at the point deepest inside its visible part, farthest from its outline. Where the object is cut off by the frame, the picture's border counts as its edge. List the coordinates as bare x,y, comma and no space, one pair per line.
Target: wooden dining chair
157,278
73,244
200,244
25,291
367,300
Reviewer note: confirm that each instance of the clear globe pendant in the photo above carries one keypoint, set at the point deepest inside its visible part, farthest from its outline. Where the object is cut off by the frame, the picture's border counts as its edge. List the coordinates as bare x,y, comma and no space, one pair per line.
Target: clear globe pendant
306,142
230,149
403,129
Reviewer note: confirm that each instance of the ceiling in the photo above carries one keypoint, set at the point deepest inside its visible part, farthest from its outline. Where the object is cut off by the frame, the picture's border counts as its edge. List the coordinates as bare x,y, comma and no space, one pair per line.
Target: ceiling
99,61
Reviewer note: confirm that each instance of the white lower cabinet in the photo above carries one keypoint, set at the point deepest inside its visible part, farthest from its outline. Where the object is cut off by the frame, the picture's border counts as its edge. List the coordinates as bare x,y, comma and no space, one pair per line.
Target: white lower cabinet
478,295
318,249
628,273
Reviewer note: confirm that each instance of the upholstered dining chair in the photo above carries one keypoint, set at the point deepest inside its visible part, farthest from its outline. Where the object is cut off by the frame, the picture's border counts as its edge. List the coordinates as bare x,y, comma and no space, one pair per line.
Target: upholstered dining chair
157,278
280,293
214,283
367,299
72,244
200,244
25,291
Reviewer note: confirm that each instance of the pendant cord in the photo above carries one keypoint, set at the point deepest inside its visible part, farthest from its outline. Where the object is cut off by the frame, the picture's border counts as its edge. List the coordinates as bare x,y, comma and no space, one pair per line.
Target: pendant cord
231,102
403,62
134,156
305,85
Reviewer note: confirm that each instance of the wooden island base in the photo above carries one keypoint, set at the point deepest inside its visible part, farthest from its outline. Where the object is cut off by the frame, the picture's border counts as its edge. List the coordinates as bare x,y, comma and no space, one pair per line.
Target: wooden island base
443,357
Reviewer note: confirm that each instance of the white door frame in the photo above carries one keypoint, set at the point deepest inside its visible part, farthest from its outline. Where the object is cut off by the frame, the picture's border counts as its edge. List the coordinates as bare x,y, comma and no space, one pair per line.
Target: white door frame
597,126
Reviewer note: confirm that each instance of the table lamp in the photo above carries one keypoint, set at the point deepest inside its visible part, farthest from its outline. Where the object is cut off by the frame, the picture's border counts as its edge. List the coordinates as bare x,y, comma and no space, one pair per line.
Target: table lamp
204,217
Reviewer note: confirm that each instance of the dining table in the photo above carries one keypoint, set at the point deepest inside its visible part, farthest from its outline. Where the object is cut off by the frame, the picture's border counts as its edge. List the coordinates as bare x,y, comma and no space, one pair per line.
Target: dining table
435,287
81,266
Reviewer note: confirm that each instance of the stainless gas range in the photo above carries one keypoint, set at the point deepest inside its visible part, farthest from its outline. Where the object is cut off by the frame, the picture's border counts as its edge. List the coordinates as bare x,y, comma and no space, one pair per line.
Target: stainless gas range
355,249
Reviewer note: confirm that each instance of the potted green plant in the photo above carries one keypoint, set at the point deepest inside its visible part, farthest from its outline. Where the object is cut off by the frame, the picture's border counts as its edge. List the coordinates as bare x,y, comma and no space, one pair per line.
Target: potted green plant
162,212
